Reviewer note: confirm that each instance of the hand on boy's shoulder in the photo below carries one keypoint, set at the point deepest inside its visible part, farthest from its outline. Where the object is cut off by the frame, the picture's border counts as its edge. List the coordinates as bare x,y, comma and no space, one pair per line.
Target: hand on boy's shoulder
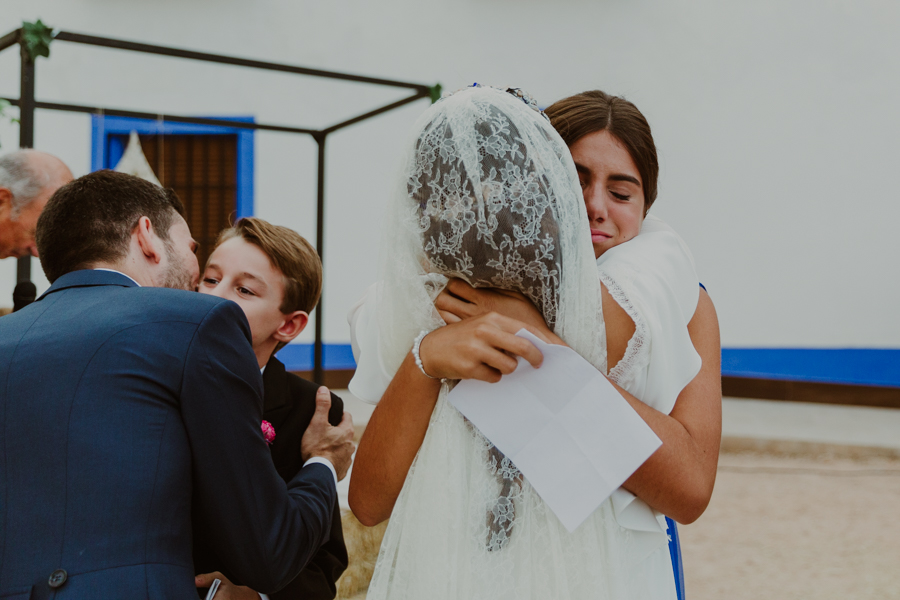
289,405
323,440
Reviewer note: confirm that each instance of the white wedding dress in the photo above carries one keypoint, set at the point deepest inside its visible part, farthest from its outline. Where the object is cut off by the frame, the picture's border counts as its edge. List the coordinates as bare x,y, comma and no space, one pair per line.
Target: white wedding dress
454,534
466,524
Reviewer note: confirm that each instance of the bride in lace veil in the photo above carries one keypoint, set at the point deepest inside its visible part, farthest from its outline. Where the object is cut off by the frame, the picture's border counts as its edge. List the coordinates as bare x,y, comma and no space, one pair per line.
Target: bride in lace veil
490,195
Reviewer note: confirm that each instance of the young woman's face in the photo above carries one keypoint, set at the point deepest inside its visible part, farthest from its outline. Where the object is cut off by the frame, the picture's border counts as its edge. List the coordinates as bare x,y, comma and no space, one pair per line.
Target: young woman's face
612,189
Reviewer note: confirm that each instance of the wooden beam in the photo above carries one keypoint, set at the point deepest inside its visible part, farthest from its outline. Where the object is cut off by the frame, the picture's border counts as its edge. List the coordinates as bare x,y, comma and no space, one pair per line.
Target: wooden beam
807,391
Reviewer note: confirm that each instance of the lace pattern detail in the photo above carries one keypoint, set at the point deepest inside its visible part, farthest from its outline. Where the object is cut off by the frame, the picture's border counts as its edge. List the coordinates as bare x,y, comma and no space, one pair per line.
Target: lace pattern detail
637,353
501,514
488,218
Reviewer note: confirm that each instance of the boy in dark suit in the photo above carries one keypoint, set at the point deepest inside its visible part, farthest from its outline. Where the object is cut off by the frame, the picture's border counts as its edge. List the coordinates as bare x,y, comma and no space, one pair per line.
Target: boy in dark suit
275,276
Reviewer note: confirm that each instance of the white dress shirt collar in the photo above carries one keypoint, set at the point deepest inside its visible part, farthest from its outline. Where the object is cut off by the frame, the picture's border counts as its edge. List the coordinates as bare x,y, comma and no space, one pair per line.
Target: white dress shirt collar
120,273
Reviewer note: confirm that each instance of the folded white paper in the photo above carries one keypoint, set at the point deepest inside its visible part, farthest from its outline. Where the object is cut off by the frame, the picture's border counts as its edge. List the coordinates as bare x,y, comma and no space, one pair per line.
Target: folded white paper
565,427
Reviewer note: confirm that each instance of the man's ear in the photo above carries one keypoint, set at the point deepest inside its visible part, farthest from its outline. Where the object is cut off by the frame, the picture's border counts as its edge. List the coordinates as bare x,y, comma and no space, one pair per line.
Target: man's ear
6,198
294,324
148,241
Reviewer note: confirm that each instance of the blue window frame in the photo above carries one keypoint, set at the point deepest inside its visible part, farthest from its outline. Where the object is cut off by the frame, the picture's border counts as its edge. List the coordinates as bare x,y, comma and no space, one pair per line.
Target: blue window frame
110,134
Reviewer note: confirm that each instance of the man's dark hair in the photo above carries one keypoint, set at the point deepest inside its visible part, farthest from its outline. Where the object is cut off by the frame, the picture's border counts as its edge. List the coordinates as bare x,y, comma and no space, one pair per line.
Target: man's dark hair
90,220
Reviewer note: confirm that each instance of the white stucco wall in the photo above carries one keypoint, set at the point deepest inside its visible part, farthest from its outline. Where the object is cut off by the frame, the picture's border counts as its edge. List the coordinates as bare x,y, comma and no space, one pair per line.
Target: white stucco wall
776,125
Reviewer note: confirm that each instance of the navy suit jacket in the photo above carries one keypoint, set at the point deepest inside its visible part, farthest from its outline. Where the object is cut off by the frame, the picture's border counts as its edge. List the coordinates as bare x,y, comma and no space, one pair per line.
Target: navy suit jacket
289,403
120,407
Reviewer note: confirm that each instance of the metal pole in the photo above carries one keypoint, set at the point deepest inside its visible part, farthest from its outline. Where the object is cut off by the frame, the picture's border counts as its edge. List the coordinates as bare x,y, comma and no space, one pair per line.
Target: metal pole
318,368
10,39
104,42
376,112
162,118
26,134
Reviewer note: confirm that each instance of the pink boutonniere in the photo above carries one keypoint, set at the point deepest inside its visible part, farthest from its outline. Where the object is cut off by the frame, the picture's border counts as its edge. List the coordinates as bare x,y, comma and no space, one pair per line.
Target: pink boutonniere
268,432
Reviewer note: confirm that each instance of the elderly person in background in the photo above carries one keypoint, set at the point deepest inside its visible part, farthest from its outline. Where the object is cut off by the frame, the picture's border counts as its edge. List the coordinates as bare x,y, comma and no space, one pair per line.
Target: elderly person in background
27,180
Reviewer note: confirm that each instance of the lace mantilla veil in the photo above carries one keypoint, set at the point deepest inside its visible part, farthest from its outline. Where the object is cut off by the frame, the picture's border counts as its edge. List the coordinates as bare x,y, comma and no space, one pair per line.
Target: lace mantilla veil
490,194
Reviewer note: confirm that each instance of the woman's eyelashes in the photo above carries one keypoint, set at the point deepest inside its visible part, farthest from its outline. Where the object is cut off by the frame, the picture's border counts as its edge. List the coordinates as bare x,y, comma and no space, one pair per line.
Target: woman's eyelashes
620,196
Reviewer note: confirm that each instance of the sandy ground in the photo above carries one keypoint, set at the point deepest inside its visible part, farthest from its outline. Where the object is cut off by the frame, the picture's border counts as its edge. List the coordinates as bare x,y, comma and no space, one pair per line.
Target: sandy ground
802,527
778,528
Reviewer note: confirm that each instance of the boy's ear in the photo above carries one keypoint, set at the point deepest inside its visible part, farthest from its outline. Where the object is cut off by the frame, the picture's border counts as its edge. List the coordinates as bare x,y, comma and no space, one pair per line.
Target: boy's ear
294,324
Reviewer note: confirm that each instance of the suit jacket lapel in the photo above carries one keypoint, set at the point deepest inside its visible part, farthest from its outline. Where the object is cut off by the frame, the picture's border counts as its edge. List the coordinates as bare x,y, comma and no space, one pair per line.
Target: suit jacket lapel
275,392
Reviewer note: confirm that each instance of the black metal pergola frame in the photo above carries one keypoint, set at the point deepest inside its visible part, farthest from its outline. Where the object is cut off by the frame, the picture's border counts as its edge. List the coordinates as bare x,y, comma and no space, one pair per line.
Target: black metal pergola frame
27,105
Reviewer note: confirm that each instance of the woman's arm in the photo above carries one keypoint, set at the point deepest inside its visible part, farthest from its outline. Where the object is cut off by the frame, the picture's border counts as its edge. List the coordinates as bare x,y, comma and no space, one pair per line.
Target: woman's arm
678,479
482,348
390,443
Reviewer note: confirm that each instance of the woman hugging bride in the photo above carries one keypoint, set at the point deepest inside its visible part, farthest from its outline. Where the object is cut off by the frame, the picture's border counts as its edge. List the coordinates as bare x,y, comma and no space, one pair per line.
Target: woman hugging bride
490,201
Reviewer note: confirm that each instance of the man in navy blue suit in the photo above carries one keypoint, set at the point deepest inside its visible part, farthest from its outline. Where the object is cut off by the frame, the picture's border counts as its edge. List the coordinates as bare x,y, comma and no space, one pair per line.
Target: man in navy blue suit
123,402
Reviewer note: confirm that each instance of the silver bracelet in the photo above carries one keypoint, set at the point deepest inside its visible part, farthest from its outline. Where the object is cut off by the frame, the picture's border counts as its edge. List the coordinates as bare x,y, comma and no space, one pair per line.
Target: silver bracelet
415,351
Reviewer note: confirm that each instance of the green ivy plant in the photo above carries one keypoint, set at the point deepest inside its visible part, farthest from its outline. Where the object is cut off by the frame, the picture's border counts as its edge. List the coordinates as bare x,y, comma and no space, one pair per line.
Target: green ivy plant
4,116
36,38
435,92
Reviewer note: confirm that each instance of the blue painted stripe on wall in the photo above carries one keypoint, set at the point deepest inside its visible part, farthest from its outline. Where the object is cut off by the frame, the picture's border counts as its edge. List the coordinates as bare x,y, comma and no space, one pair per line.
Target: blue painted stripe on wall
299,357
855,366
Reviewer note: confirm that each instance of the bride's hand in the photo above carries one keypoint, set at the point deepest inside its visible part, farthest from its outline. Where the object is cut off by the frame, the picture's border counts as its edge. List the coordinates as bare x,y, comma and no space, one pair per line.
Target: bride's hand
459,301
483,347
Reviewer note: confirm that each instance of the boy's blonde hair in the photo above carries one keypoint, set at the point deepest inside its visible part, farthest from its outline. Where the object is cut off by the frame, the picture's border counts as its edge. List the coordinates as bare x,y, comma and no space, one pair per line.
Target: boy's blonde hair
290,253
